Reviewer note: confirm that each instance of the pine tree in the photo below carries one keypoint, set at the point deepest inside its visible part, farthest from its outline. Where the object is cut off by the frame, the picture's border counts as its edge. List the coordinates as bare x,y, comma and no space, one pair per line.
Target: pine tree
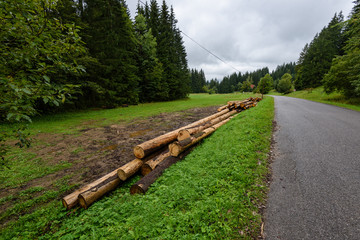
315,60
111,41
150,69
344,74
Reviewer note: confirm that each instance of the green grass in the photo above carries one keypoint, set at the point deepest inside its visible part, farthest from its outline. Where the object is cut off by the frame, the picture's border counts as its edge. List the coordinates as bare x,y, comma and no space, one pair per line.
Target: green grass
318,95
24,166
214,193
72,122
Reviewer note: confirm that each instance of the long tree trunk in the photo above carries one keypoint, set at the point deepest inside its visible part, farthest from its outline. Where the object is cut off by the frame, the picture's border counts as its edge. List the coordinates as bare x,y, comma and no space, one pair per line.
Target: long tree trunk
132,167
142,150
151,164
186,133
178,147
143,184
109,183
72,199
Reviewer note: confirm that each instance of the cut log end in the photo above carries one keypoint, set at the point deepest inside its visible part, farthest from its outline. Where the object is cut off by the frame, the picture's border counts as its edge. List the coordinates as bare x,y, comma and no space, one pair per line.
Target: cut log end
145,170
139,152
137,189
82,202
174,149
183,134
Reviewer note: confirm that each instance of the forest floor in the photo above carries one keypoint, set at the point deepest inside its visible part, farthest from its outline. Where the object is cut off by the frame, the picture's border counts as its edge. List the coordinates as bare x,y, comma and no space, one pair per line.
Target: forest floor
83,157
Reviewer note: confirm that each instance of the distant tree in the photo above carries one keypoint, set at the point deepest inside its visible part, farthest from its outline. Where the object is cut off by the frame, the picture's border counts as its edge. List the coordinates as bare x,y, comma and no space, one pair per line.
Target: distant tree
265,85
285,85
246,86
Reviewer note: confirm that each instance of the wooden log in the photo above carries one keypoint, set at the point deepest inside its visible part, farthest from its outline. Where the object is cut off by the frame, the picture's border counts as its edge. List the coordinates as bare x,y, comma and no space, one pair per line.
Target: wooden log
132,167
150,165
106,184
178,147
222,108
72,200
129,169
143,184
145,148
186,133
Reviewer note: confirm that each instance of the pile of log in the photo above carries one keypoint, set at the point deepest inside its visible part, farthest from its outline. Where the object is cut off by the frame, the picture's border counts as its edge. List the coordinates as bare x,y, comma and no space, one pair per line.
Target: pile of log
154,156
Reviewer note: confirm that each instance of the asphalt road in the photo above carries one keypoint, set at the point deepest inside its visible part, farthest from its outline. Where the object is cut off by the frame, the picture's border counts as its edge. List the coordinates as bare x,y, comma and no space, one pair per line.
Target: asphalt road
315,191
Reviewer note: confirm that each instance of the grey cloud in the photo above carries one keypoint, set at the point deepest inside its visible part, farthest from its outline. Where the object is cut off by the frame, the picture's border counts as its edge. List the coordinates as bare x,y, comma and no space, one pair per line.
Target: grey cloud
249,34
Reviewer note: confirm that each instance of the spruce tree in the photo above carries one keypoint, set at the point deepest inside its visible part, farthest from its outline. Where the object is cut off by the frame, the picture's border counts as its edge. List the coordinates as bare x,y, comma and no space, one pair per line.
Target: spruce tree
111,40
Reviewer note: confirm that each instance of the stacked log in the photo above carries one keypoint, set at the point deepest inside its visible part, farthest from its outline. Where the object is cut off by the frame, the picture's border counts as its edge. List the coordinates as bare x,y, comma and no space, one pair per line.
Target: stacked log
145,148
155,155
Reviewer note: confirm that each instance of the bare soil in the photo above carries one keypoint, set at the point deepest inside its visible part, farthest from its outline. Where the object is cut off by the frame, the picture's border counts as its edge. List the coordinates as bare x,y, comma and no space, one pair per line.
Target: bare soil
95,152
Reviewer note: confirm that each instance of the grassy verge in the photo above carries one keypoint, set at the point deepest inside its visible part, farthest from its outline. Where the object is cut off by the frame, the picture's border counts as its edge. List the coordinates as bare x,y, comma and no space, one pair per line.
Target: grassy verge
318,95
216,192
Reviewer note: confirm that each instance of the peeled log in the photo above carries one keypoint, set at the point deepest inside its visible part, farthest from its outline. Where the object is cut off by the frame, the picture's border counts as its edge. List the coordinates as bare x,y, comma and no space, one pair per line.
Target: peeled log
151,164
143,184
129,169
222,108
186,133
178,147
132,167
72,200
98,188
142,150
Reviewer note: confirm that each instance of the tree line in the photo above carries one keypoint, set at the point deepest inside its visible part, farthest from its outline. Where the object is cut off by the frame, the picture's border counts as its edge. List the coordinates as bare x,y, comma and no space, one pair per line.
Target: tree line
244,82
332,58
60,54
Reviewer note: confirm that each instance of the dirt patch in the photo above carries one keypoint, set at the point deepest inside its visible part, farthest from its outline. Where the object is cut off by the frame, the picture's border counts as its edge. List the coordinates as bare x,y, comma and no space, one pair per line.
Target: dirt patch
94,152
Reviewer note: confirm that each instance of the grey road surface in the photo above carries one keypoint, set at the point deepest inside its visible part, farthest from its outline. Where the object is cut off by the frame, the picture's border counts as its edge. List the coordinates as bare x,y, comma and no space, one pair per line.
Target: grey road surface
315,191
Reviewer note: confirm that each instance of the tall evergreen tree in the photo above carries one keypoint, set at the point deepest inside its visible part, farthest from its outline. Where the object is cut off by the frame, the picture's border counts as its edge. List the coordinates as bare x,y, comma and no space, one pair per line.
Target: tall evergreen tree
344,74
111,40
316,59
150,69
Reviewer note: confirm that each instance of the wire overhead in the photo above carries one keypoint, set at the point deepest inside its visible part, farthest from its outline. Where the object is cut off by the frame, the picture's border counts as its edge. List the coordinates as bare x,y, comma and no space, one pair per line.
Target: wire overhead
204,48
209,51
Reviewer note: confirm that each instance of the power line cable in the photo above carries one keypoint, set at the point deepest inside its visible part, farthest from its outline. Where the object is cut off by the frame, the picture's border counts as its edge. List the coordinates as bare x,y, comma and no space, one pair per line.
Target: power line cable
209,51
204,48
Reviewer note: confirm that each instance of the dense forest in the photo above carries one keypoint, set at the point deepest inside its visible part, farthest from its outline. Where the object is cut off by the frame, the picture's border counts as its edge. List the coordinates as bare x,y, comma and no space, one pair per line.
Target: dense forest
78,54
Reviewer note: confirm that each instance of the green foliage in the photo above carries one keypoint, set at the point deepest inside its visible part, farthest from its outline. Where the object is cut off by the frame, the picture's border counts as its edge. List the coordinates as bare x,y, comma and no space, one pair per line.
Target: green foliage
285,84
315,60
229,186
198,81
266,84
150,68
246,86
35,51
344,74
111,40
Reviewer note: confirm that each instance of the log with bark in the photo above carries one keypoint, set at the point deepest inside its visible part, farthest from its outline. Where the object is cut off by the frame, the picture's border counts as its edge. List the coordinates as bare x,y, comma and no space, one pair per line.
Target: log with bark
222,108
145,148
143,184
150,165
132,167
186,133
108,181
178,147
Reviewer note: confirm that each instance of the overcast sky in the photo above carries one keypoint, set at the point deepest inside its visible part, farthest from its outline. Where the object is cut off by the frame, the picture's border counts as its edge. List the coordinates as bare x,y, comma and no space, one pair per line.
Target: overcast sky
249,34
